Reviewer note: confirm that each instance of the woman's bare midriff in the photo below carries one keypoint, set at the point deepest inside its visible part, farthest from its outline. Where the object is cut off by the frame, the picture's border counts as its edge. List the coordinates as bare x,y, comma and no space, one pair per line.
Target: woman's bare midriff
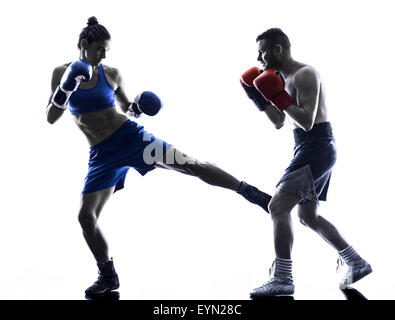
99,125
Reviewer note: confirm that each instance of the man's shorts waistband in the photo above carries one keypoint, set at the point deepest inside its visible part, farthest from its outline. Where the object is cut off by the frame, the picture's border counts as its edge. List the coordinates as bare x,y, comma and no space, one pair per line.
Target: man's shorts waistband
321,130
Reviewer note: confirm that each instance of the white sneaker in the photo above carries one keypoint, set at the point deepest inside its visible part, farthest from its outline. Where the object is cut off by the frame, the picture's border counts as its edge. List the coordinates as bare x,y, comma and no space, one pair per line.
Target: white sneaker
274,287
357,270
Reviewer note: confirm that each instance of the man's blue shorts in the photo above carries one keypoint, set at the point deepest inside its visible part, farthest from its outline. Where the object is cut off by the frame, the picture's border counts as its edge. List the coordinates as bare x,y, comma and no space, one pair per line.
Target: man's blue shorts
310,170
110,160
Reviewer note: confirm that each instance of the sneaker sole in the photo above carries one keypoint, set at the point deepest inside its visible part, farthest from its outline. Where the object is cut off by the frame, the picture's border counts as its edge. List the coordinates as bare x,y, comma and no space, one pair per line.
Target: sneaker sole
273,298
102,292
288,294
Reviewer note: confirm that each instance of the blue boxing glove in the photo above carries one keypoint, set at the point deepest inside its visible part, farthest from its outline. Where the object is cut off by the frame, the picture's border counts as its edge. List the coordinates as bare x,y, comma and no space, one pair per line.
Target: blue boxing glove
76,72
146,102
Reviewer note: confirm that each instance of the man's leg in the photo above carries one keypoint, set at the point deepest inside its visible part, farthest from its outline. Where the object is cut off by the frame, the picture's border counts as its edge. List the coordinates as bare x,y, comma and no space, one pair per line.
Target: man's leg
213,175
91,206
281,282
358,268
280,208
308,216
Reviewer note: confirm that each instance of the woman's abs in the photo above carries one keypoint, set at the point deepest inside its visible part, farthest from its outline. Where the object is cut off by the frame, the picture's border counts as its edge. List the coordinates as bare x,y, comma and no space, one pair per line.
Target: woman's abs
99,125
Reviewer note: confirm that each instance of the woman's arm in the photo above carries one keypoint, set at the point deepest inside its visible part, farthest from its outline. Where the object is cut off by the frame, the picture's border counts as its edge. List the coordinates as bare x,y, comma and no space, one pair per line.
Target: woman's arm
53,112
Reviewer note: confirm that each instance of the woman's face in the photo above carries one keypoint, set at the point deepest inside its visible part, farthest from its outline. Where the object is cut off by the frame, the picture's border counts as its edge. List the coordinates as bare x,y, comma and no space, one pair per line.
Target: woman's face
95,51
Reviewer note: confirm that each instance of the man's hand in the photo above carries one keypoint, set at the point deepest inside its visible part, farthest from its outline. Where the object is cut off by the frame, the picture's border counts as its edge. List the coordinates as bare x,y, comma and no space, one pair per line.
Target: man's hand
271,85
246,81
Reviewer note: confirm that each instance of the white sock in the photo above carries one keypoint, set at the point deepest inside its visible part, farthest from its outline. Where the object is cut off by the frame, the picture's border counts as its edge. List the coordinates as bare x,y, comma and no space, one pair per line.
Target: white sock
349,254
283,269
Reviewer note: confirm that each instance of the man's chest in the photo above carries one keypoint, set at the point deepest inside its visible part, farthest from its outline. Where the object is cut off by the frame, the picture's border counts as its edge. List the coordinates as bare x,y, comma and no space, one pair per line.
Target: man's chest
290,86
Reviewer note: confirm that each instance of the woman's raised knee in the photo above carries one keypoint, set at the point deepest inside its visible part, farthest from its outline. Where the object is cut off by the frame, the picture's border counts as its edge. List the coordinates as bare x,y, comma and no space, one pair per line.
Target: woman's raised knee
197,168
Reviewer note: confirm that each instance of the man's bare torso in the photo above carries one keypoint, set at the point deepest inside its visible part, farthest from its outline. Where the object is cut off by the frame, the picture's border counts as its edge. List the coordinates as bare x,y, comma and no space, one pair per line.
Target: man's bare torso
290,87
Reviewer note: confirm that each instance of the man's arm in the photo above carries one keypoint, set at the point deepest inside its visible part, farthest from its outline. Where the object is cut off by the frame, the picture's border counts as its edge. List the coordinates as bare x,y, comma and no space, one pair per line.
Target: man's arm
276,116
53,112
246,80
307,85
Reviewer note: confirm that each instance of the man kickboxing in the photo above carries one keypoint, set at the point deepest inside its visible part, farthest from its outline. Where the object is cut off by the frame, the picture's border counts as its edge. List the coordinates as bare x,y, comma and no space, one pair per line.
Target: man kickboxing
89,90
286,87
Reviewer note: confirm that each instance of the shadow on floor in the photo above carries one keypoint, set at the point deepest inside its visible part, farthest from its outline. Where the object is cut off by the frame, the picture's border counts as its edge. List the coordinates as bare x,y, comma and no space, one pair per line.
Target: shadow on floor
352,294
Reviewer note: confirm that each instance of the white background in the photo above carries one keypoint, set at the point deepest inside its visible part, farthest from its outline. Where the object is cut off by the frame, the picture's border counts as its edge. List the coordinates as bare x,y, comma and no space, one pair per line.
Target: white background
172,236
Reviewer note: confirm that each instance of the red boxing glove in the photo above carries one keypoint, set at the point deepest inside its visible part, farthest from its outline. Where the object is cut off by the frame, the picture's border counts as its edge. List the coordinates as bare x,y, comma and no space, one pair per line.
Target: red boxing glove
247,82
250,75
271,85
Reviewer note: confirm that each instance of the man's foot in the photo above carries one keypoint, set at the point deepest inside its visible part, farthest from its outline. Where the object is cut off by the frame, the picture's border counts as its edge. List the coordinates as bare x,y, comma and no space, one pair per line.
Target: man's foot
280,283
254,195
107,281
274,287
357,270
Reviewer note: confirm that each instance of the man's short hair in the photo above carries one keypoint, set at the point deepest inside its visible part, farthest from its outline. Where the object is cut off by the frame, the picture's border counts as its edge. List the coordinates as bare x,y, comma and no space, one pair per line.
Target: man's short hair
275,36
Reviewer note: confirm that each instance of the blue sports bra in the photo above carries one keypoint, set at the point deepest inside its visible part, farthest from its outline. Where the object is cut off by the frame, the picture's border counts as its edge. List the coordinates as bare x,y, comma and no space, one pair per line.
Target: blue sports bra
101,96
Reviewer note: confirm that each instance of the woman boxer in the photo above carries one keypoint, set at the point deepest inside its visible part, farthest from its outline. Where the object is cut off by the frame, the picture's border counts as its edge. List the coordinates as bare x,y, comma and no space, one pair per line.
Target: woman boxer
89,89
